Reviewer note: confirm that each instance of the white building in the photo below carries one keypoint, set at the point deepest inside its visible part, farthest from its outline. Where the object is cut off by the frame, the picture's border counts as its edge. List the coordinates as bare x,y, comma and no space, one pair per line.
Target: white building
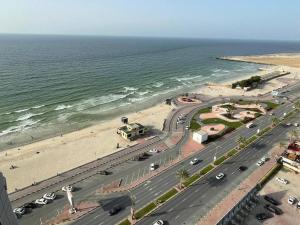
7,217
200,136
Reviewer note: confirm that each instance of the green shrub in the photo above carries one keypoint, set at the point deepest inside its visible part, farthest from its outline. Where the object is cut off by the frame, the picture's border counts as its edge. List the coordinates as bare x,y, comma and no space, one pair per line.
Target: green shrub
125,222
167,195
220,160
191,180
204,110
271,105
220,121
270,174
206,169
194,125
142,212
231,153
251,82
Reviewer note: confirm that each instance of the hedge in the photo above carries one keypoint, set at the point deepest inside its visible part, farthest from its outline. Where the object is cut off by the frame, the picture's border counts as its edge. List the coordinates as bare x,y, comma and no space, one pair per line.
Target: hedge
270,174
220,160
167,195
231,153
148,208
191,179
206,169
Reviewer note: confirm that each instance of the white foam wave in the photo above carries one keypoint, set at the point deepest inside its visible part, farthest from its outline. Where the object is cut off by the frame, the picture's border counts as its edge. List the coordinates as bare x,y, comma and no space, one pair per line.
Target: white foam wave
158,84
61,107
143,92
28,116
180,79
126,89
24,125
21,110
38,106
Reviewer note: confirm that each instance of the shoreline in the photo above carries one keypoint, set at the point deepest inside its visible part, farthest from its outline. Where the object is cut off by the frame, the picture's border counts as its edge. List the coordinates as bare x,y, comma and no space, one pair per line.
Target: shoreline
96,141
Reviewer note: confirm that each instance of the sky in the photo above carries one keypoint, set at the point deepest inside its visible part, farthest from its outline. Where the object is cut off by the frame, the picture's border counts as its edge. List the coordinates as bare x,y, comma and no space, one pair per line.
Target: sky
233,19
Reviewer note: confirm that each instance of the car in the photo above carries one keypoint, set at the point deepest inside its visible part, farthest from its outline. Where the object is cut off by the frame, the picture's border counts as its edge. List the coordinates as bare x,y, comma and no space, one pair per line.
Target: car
41,201
67,188
273,209
220,176
288,124
194,161
187,127
153,166
243,168
271,200
30,205
260,163
114,210
250,125
271,114
292,200
281,180
19,211
298,205
296,124
49,196
158,222
264,159
154,150
263,216
103,172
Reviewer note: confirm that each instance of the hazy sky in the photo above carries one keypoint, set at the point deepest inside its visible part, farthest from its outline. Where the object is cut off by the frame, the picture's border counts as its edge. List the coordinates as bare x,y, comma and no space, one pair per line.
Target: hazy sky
250,19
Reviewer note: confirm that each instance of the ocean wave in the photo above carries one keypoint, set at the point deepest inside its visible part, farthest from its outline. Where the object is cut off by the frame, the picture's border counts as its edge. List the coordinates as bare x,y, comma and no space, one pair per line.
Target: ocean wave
126,89
28,116
38,106
158,84
21,110
24,125
181,79
143,92
61,107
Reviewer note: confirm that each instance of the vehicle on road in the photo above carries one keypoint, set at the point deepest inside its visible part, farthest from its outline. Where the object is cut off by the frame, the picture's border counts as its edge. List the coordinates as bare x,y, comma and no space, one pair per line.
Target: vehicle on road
298,205
49,196
273,209
296,124
271,200
114,210
271,114
158,222
153,166
220,176
263,216
154,150
19,211
103,172
260,163
281,180
288,124
249,125
30,205
187,127
292,200
67,188
243,168
41,201
194,161
264,159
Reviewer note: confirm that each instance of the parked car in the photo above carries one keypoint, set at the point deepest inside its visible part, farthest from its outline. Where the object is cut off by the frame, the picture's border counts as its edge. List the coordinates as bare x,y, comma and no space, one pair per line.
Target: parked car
249,125
158,222
154,150
260,163
30,205
292,200
114,210
103,172
41,201
264,159
194,161
153,166
187,127
49,196
263,216
271,200
296,124
19,211
67,188
281,180
288,124
298,205
273,209
220,176
243,168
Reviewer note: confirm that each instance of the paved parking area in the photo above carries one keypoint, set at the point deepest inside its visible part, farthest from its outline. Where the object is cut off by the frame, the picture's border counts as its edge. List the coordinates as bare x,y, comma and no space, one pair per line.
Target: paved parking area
280,192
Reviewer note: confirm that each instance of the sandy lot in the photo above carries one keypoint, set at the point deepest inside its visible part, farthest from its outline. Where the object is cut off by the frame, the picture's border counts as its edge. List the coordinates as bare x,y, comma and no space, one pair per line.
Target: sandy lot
280,192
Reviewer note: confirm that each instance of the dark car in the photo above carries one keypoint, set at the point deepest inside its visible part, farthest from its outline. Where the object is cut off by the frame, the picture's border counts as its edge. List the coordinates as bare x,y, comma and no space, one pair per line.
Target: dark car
114,210
30,205
103,172
263,216
273,209
243,168
271,200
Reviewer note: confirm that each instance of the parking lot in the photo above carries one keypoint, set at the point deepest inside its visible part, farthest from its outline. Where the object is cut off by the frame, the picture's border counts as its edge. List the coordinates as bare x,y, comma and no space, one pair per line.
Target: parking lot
281,193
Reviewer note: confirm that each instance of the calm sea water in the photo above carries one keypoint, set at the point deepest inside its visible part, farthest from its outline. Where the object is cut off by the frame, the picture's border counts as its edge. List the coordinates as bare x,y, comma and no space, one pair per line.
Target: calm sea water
53,84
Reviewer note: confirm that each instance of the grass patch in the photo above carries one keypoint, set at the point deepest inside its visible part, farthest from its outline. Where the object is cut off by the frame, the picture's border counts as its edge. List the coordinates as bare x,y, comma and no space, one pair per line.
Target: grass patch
228,106
264,131
167,195
206,169
125,222
231,153
271,105
194,125
191,179
205,110
220,121
148,208
220,160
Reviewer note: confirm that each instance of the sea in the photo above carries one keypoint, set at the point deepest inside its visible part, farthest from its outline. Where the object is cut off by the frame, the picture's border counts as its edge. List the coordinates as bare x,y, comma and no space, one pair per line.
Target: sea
50,84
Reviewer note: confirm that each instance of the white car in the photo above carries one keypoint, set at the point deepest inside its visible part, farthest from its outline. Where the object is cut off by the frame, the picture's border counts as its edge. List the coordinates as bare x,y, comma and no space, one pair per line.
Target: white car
153,166
271,114
291,200
264,159
158,222
281,180
288,124
19,211
220,176
187,127
67,188
154,150
296,124
41,201
49,196
260,163
194,161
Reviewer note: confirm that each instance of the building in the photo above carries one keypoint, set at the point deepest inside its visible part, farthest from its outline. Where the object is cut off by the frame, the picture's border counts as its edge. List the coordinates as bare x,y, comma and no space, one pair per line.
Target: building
200,136
131,131
291,157
7,217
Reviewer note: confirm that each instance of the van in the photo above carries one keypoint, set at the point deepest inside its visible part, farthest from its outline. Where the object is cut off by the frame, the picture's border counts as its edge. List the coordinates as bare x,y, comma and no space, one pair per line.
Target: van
249,125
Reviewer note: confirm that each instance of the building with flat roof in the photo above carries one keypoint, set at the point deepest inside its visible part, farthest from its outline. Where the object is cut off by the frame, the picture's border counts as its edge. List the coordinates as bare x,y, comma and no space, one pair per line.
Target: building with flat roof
131,131
200,136
7,217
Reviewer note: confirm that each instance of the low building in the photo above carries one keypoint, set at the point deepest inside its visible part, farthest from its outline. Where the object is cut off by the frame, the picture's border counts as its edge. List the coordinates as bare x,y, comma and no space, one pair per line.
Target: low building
131,131
200,136
7,217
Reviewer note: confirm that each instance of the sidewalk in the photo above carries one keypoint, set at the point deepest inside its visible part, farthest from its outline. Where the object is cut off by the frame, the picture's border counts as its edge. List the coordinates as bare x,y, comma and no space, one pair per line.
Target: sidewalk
223,207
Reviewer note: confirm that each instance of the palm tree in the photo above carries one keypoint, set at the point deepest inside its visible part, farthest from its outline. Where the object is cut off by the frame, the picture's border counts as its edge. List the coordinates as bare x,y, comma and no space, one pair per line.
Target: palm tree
132,210
241,141
297,106
275,121
294,135
182,174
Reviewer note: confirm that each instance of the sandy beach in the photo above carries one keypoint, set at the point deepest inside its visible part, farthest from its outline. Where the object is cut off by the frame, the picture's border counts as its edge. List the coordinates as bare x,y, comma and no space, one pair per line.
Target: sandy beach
44,159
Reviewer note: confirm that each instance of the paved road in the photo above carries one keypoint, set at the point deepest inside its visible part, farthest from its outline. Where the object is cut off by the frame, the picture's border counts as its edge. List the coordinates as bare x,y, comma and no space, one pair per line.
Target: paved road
196,201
